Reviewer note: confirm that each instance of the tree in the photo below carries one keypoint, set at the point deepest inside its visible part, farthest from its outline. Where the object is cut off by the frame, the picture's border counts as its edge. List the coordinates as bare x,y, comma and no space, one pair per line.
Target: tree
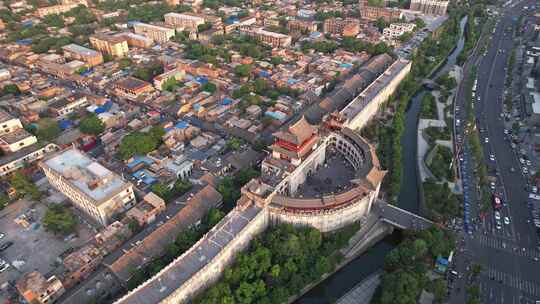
92,125
162,191
381,24
11,89
244,293
233,143
476,269
203,27
420,24
209,87
439,289
59,219
54,20
47,129
243,70
170,84
149,71
125,62
138,143
134,225
181,187
276,60
24,186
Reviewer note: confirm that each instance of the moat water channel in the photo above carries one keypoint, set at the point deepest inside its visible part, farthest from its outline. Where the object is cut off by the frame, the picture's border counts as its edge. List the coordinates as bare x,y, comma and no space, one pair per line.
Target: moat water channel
346,278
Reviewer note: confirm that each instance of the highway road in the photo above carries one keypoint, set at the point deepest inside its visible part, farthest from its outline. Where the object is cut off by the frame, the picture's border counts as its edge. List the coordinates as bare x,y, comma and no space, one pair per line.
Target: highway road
507,253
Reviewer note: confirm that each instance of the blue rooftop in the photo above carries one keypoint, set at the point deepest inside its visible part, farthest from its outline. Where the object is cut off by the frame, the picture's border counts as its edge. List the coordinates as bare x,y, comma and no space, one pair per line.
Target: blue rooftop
201,79
139,159
145,176
181,125
276,115
27,41
226,101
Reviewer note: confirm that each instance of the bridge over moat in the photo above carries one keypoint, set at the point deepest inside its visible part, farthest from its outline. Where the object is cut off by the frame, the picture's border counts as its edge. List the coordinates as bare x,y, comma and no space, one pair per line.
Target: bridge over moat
400,218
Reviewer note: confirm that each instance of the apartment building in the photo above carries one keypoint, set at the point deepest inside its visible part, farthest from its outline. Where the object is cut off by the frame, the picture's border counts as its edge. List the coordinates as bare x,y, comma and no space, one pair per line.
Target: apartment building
55,9
132,87
158,34
177,74
146,211
395,30
66,106
373,13
339,26
8,123
116,46
430,7
276,40
94,189
77,52
184,21
135,40
234,24
16,140
297,25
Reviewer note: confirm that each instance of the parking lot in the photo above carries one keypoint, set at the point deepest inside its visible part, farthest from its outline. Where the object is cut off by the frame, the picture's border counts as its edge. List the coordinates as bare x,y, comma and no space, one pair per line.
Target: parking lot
33,248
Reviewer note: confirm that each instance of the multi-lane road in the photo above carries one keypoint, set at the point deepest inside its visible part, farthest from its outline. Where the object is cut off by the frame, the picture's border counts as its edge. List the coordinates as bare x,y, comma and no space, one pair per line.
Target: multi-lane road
506,251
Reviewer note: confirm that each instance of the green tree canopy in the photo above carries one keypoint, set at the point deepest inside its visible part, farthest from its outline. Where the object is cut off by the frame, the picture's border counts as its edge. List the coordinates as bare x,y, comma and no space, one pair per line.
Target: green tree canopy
47,129
243,70
11,89
59,219
92,125
139,143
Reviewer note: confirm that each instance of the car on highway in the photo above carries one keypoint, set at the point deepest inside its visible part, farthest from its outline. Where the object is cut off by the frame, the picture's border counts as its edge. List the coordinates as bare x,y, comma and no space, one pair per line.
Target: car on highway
3,265
492,185
6,245
486,140
497,215
498,225
492,157
506,220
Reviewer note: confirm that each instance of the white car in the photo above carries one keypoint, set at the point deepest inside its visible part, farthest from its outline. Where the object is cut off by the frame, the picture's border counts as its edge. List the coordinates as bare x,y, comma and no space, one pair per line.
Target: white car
506,220
497,215
486,140
492,157
492,185
4,267
529,163
498,225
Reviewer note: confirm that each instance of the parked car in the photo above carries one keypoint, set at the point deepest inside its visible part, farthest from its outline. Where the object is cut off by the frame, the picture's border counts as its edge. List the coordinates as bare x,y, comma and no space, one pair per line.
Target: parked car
5,245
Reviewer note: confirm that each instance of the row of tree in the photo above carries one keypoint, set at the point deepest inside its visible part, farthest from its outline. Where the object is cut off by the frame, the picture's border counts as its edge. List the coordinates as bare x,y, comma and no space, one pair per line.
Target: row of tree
429,54
406,266
278,264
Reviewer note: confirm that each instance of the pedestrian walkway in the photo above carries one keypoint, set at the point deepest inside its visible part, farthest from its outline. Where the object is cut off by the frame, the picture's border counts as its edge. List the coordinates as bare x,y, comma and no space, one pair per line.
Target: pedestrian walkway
513,281
507,246
363,292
